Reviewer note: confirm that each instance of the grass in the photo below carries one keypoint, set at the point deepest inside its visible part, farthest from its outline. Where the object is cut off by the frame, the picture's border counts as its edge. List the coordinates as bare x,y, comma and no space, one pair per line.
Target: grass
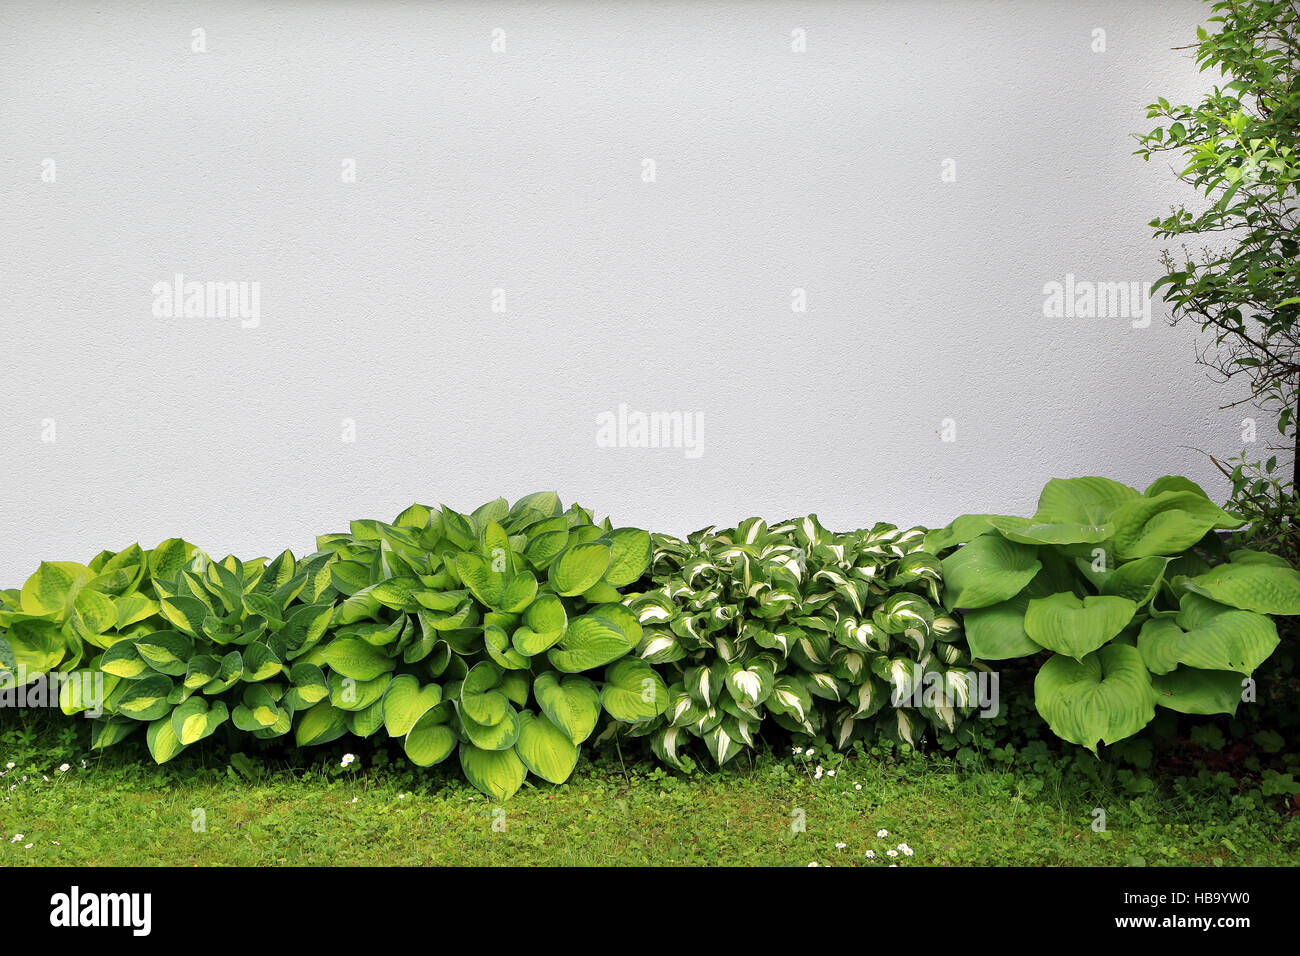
119,809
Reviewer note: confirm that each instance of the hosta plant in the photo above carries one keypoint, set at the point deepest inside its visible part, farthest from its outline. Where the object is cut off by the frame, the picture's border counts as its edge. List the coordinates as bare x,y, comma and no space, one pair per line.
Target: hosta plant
1131,597
499,635
821,633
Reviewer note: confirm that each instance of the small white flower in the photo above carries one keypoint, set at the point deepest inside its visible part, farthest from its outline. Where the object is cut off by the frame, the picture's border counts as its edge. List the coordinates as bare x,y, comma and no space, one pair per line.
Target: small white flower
891,853
9,765
83,764
797,750
840,846
355,799
56,843
17,837
893,864
401,796
811,751
813,863
830,773
882,833
818,774
45,778
857,786
871,854
64,768
27,847
907,850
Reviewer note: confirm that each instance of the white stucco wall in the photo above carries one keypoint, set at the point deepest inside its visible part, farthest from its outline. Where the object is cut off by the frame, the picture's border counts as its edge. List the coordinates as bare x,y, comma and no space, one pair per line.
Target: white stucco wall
522,171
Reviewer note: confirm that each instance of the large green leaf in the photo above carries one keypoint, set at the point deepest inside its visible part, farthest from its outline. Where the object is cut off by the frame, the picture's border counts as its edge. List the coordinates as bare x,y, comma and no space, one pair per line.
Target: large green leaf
356,658
320,725
54,587
1076,627
572,703
429,741
579,567
405,701
162,740
1191,691
630,553
498,773
988,570
1103,698
633,691
545,749
1166,524
146,699
997,632
1264,588
596,638
1086,501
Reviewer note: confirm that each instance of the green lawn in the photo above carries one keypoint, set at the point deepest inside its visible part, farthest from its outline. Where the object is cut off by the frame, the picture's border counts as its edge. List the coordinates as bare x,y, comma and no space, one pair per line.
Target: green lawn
120,810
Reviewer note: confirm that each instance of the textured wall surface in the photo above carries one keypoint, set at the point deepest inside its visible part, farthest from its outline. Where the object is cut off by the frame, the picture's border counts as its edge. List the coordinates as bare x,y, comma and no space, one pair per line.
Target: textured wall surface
524,170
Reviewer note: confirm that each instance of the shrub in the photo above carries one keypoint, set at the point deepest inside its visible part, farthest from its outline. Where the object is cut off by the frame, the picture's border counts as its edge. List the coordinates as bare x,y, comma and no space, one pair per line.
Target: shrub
1133,594
820,632
440,629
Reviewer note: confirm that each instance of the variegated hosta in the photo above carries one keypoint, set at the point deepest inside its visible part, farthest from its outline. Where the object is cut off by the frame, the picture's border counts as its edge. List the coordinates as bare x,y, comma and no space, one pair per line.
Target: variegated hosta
1134,594
823,633
471,633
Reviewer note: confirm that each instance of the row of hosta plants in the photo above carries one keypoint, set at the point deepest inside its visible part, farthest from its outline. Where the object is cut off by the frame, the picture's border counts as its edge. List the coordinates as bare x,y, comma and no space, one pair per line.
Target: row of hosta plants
1124,601
499,636
510,636
823,634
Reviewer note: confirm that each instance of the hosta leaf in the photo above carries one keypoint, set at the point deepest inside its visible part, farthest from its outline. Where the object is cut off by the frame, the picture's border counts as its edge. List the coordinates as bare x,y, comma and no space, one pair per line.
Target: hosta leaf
1263,588
497,773
519,593
476,571
53,588
1033,531
1136,580
579,567
1103,698
162,740
429,741
987,571
195,719
1227,640
633,691
596,638
630,553
1170,522
406,701
545,749
997,633
571,703
751,684
320,725
500,735
1087,501
355,658
1191,691
185,613
146,699
168,652
1076,627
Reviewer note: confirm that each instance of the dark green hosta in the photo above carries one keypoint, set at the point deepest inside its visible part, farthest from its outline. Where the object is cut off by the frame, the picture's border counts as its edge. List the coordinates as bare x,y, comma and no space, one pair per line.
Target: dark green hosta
816,631
500,635
1134,595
